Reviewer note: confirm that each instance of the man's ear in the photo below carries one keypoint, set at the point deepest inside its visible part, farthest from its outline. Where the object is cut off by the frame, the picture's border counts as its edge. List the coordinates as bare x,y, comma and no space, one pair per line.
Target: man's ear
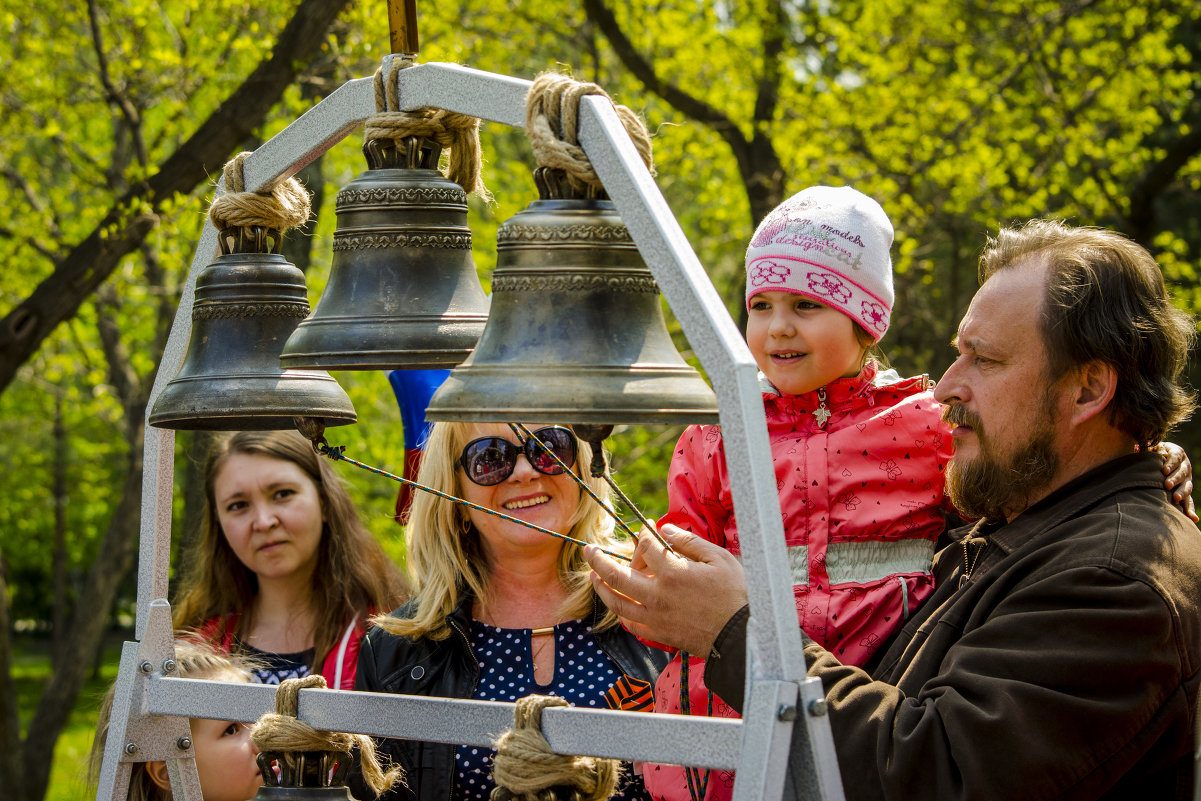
1093,388
158,774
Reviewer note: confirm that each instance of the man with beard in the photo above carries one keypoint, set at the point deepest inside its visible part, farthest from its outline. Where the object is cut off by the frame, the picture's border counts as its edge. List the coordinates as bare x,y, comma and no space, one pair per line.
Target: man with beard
1060,654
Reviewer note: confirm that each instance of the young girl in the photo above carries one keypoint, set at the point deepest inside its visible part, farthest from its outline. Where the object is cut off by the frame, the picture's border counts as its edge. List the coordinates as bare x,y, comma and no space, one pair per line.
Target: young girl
225,755
858,451
282,569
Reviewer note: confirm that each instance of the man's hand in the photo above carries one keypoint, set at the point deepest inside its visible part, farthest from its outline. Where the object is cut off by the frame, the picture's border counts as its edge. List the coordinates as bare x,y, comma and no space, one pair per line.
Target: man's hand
1179,481
680,598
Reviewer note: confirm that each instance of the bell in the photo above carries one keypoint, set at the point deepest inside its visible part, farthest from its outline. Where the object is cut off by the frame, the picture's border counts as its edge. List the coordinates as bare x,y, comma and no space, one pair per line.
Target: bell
403,291
248,301
304,776
576,333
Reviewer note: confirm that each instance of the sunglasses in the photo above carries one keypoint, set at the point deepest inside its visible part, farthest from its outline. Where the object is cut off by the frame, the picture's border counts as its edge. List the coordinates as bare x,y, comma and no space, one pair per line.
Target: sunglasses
487,461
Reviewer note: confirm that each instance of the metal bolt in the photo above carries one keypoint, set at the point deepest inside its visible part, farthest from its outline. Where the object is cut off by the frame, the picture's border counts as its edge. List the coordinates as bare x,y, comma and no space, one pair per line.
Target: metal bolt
131,748
145,666
817,708
168,665
183,743
786,712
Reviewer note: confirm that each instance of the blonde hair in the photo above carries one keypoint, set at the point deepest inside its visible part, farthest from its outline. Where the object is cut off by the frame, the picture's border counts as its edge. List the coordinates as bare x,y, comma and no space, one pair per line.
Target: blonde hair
353,574
445,559
194,660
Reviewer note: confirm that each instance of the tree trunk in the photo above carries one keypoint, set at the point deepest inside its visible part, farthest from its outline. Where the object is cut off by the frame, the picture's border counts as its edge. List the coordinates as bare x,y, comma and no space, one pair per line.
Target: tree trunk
59,556
123,230
114,559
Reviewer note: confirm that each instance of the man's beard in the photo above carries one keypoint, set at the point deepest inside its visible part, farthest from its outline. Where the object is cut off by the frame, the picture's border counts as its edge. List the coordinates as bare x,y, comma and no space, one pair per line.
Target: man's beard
991,484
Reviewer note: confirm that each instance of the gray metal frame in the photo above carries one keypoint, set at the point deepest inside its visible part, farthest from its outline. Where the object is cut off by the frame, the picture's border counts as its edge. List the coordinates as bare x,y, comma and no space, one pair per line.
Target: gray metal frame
150,705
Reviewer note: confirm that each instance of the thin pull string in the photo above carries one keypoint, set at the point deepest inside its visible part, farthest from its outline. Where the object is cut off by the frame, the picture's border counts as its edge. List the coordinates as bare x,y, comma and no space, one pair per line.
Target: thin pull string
521,431
638,513
335,453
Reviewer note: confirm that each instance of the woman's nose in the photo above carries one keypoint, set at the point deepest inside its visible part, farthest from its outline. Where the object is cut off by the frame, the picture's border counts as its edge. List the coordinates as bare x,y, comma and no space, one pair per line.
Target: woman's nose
264,516
522,469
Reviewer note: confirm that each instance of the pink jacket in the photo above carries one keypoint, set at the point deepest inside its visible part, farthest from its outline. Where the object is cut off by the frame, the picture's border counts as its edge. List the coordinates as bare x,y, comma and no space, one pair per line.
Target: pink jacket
340,664
862,504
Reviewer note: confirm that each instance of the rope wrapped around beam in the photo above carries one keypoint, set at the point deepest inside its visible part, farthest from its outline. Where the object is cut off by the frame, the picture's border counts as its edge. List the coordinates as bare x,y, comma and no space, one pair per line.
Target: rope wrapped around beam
457,133
280,206
280,732
526,769
552,122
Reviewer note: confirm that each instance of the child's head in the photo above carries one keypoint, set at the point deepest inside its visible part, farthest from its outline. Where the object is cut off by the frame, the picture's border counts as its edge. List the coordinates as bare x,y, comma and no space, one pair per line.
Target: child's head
818,287
225,755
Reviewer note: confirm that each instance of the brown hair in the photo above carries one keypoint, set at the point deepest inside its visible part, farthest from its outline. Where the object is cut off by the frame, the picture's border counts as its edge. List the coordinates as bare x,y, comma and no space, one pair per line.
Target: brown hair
1105,301
353,574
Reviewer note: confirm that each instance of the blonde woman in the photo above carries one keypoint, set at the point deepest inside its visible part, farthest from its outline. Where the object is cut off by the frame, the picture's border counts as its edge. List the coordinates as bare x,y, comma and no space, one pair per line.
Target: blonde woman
500,610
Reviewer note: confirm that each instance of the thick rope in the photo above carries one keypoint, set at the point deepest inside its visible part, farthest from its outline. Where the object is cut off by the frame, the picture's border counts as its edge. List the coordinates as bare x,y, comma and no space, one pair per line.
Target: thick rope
281,732
280,206
552,121
457,133
527,769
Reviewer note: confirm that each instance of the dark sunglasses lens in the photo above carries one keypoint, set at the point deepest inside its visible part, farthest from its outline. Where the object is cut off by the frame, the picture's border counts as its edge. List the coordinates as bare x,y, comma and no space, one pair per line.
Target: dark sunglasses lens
489,461
560,442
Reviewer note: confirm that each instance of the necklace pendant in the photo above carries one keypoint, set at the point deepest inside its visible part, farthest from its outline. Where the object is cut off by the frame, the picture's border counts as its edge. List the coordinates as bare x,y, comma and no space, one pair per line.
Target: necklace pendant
821,414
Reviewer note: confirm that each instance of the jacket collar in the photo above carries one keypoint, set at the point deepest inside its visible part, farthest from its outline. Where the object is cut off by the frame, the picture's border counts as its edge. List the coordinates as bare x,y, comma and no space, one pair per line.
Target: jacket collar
843,390
1133,471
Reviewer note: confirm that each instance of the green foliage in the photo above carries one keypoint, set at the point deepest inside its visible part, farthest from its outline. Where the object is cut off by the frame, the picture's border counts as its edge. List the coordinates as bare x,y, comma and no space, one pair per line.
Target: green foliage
958,117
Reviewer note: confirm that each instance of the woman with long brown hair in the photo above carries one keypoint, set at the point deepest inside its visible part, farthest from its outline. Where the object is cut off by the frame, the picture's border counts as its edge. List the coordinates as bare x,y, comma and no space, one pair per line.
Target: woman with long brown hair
283,569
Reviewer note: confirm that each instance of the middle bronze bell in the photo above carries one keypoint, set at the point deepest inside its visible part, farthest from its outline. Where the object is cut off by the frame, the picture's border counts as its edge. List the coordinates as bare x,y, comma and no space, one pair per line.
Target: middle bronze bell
403,291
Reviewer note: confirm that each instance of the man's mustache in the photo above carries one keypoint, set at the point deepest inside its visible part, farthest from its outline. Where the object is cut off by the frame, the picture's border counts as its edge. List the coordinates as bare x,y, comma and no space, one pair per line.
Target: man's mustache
958,415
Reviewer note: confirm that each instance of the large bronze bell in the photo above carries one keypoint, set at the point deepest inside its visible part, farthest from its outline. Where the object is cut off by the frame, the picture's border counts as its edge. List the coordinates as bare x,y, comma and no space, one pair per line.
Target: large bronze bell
576,333
248,301
403,292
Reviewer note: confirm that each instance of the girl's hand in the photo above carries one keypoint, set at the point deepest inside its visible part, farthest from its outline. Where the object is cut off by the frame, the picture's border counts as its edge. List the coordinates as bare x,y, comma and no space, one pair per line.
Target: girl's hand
1179,481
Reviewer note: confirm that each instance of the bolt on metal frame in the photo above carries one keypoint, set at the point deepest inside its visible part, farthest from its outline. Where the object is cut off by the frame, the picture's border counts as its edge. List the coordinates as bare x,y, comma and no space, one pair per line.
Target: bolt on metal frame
150,706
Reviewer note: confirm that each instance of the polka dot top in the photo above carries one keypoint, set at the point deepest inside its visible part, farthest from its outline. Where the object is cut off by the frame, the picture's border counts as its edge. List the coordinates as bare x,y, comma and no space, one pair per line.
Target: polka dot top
583,674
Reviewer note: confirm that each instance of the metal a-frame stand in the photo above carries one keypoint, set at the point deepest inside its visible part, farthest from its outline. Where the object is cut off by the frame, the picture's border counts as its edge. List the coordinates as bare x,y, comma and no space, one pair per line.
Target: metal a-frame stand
148,719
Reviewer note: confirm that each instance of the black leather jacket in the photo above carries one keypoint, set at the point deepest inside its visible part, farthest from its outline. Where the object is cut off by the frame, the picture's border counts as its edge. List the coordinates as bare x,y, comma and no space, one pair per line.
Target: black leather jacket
448,669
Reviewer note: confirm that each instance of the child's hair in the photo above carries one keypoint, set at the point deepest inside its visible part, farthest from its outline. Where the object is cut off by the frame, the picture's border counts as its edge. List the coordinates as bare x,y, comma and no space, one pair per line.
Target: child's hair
353,573
193,660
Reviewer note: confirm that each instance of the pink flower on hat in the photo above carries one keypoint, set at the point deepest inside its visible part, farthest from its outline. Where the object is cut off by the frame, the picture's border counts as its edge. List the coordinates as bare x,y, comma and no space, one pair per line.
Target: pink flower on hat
875,315
829,286
769,272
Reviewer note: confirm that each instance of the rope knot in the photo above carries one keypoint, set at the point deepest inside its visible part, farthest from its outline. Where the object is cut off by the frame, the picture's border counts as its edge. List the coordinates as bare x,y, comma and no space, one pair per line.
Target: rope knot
457,133
526,769
279,206
552,124
307,757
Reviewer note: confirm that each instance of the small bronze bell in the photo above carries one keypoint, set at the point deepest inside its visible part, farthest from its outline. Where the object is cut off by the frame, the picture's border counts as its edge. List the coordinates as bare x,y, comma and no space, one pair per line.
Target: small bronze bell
576,333
248,301
305,776
403,292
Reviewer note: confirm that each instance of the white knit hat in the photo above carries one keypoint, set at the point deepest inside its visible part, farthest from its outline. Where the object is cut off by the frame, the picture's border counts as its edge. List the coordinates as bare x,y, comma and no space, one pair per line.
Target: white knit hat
830,244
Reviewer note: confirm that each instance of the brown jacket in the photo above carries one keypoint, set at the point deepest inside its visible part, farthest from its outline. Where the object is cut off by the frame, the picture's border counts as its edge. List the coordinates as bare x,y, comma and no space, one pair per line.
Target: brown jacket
1067,666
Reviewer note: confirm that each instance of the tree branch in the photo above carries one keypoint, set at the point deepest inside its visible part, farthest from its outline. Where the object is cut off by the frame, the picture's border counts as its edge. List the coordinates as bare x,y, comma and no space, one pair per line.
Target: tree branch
134,215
